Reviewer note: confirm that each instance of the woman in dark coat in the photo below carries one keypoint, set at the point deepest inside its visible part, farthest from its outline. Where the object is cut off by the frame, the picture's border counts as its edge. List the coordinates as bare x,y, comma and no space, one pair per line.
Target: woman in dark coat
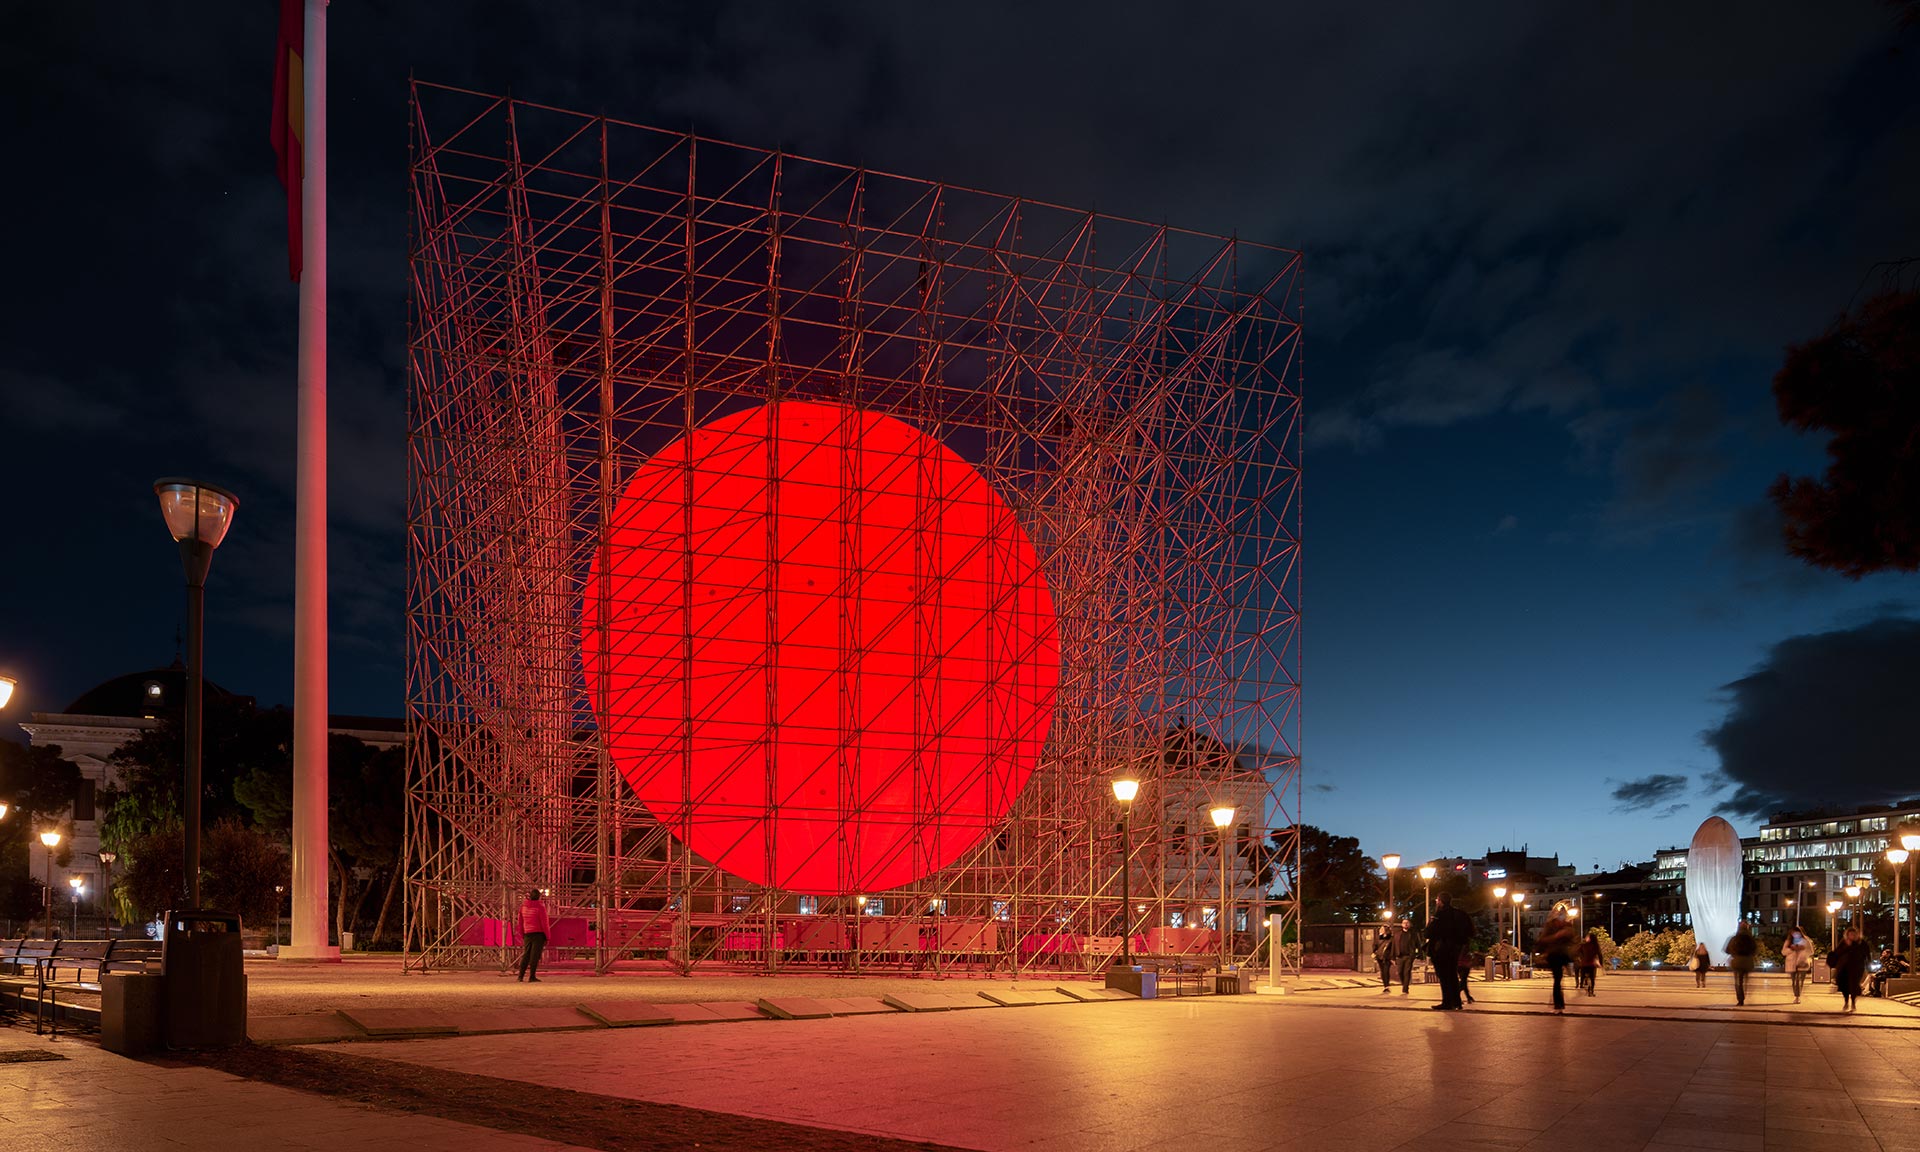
1849,964
1588,961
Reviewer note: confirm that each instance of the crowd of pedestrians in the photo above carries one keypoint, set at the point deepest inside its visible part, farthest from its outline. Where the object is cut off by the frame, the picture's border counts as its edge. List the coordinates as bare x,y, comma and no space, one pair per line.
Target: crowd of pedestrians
1560,946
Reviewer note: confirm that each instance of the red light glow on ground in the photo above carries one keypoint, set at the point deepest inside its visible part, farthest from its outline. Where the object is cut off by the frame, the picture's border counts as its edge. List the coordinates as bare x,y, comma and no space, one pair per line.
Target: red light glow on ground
854,716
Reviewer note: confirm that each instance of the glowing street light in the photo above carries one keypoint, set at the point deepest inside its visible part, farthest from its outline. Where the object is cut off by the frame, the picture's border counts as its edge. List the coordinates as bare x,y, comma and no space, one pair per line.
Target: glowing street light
1125,788
1910,840
1897,857
1427,873
7,685
1223,820
1391,862
51,840
76,882
106,881
1517,898
1833,925
1499,909
198,516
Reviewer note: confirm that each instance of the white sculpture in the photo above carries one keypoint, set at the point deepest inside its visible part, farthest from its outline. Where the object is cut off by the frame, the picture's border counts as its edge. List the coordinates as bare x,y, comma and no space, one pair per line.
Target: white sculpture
1713,885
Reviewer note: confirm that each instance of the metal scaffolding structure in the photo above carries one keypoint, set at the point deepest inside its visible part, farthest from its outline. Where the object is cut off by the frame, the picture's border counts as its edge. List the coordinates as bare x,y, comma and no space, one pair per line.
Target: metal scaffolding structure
593,305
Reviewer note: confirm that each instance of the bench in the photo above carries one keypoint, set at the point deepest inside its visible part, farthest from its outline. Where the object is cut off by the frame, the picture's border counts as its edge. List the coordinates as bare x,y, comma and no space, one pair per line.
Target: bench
49,967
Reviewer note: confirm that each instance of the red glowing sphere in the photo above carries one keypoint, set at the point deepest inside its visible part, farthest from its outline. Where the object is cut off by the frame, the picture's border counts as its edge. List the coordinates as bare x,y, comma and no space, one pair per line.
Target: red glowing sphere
827,657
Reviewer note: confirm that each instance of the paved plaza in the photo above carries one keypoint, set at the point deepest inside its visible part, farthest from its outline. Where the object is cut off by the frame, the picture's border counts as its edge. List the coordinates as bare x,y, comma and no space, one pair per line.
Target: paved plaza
1648,1064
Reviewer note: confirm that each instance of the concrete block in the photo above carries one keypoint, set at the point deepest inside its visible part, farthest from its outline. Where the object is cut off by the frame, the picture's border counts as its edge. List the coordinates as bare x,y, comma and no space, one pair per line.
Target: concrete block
794,1008
304,1028
386,1022
625,1013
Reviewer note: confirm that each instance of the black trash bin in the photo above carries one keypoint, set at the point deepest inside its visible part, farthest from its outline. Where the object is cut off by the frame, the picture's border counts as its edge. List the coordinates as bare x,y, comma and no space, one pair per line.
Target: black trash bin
205,977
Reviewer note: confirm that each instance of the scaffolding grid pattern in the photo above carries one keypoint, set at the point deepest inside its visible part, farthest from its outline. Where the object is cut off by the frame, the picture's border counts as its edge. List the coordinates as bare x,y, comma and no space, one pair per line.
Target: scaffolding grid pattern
586,294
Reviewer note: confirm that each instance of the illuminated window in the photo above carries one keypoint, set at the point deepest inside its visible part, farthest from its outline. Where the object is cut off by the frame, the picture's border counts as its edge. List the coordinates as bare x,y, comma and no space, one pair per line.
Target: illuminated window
1001,910
876,906
1177,919
809,905
937,906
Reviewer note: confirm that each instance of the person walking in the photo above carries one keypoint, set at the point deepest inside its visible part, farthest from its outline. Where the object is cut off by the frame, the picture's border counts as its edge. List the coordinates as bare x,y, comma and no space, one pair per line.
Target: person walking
1466,971
1849,965
1403,950
1555,944
533,931
1383,957
1699,965
1797,958
1742,951
1588,959
1447,937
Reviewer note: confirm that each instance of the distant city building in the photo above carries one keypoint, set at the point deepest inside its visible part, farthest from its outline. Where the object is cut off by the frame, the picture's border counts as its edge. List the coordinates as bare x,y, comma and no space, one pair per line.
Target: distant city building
89,730
1796,857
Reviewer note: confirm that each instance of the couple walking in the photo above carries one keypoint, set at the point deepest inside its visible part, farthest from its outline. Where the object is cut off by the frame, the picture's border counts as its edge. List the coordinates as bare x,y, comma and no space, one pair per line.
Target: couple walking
1393,952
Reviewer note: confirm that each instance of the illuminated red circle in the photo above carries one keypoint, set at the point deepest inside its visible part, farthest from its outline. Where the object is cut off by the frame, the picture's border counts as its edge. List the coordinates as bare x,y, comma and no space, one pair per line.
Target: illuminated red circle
854,715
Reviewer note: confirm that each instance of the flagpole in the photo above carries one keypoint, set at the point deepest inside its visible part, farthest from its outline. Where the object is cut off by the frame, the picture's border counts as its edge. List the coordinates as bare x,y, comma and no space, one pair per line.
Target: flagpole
309,935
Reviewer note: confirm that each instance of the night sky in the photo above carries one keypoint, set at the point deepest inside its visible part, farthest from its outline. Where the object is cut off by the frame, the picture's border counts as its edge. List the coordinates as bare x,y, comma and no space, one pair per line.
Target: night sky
1554,255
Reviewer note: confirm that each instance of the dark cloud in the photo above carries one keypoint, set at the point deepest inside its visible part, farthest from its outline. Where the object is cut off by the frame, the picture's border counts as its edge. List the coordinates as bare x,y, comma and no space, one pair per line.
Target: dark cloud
1649,792
1825,719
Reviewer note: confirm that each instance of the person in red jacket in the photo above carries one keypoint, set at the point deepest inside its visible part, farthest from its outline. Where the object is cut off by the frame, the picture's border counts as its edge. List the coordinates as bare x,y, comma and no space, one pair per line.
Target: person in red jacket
533,930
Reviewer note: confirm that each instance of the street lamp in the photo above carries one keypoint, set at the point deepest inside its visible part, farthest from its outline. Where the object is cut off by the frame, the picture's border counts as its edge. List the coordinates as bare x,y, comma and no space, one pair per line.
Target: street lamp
7,685
1391,862
74,882
106,886
1833,925
1427,873
1911,842
1499,909
52,841
1896,857
198,516
1853,893
1516,897
1223,820
1125,788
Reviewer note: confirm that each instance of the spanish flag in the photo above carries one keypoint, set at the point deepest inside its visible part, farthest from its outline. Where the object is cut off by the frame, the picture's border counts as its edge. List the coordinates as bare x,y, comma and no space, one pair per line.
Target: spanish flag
289,118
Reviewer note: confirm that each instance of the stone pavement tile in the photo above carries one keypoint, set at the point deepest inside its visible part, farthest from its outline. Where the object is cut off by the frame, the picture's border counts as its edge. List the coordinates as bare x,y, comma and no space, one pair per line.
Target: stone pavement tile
794,1007
492,1021
1818,1142
733,1010
625,1013
858,1005
400,1021
1472,1138
1811,1103
1684,1136
306,1028
1009,998
688,1013
1817,1124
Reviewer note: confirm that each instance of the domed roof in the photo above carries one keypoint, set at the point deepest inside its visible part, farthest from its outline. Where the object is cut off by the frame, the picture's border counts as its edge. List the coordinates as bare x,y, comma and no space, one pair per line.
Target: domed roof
146,694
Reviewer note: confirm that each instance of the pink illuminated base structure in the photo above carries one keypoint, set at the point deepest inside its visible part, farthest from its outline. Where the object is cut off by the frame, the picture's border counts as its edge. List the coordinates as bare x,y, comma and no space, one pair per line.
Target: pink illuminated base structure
782,690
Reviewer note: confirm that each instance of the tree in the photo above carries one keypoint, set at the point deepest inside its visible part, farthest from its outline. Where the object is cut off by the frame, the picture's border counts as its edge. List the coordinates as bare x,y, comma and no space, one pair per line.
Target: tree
1680,947
242,867
365,821
155,871
237,740
1859,381
1640,948
1336,881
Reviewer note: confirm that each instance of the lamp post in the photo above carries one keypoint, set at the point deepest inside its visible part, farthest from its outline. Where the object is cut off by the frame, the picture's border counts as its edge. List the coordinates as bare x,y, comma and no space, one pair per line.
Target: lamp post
74,882
7,685
1124,790
198,516
1853,914
1391,862
1516,897
1223,820
1896,857
1911,842
1499,910
1833,925
52,841
279,890
1427,873
106,886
